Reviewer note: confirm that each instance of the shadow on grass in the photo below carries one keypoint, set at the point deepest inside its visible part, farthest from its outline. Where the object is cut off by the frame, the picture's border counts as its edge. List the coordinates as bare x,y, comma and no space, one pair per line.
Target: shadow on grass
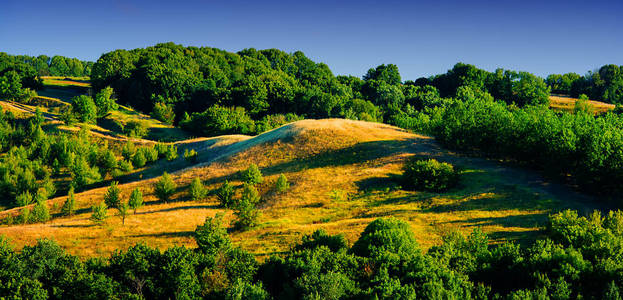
177,208
164,234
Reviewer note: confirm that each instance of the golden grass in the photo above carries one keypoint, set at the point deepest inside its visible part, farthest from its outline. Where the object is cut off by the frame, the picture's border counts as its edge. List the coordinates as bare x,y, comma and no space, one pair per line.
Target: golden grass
341,175
566,103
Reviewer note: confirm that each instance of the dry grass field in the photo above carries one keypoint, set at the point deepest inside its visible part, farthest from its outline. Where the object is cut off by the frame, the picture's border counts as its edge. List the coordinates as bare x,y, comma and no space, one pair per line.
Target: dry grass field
343,176
566,103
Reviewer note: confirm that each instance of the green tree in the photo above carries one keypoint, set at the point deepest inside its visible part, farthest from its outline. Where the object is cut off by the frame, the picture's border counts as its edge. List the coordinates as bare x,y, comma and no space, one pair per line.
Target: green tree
84,108
123,210
24,199
282,184
163,112
139,160
252,175
211,236
225,194
112,196
104,102
196,190
246,213
164,187
69,206
99,213
136,199
40,212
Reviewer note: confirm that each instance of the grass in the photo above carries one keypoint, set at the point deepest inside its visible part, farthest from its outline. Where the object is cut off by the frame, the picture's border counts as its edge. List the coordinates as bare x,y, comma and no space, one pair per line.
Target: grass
566,103
343,176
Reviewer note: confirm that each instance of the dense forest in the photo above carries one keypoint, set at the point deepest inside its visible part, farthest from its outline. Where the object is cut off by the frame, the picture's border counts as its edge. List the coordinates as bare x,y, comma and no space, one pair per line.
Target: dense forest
580,258
605,84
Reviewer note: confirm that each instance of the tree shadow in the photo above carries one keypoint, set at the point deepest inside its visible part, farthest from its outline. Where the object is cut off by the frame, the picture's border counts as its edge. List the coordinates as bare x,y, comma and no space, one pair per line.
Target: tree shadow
178,208
164,234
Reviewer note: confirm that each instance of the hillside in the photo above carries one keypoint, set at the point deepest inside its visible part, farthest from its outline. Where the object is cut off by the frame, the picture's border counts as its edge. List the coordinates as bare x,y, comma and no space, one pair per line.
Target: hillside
566,103
341,175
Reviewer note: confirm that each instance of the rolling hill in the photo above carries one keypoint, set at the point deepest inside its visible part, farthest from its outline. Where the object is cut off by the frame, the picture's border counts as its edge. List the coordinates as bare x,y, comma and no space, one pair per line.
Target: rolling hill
343,175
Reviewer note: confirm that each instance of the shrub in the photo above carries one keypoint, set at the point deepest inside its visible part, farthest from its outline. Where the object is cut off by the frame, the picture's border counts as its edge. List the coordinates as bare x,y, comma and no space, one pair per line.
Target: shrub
104,102
250,194
196,190
84,107
98,215
124,166
219,120
136,128
191,155
136,199
128,150
24,199
111,198
430,175
40,212
252,175
123,209
163,112
150,153
171,153
212,237
165,187
282,184
246,213
70,204
139,160
225,194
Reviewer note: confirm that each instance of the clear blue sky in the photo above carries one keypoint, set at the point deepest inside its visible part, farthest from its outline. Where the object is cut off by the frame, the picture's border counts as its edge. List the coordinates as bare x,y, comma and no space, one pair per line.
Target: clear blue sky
421,37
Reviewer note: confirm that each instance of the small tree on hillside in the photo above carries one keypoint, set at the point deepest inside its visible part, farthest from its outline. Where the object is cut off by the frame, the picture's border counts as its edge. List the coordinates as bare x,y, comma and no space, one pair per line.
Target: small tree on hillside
98,215
165,187
24,199
84,107
104,102
40,212
136,199
111,198
250,194
123,209
246,213
212,236
197,190
252,175
69,206
225,194
282,184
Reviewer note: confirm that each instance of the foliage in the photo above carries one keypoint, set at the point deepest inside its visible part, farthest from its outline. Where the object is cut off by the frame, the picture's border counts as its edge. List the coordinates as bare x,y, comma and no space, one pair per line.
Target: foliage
136,199
211,236
69,206
104,102
163,112
164,187
136,128
197,190
112,196
282,184
40,212
123,208
252,175
191,155
245,210
84,108
225,194
99,213
430,175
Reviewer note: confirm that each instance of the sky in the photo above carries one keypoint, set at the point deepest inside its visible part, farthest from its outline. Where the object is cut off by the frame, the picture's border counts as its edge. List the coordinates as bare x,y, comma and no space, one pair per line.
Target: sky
422,38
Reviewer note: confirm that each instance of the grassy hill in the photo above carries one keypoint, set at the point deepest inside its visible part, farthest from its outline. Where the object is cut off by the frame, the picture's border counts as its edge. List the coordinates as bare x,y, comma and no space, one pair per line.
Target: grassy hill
566,103
343,176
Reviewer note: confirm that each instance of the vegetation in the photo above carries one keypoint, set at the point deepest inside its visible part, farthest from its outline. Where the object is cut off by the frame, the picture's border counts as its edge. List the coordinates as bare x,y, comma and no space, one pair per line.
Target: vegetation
225,194
69,207
197,190
605,84
252,175
136,199
282,184
112,198
245,208
429,175
99,213
164,187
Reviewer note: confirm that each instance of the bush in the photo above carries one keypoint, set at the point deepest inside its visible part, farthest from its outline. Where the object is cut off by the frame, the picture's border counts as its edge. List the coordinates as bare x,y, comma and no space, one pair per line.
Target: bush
139,160
171,153
112,196
191,155
104,102
24,199
69,206
150,153
163,112
282,184
165,187
98,215
196,190
128,150
136,199
225,194
219,120
40,212
245,208
136,128
429,175
252,175
84,107
212,237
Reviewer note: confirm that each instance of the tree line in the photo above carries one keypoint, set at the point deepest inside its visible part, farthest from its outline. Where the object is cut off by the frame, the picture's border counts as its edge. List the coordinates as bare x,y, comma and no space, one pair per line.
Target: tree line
604,84
44,65
578,257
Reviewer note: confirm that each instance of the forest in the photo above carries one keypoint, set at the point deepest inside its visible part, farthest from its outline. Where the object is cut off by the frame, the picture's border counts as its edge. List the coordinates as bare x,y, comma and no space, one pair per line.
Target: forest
209,92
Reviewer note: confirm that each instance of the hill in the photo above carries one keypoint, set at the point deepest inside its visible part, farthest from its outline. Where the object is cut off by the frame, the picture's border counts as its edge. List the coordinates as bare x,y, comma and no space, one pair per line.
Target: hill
342,176
567,103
